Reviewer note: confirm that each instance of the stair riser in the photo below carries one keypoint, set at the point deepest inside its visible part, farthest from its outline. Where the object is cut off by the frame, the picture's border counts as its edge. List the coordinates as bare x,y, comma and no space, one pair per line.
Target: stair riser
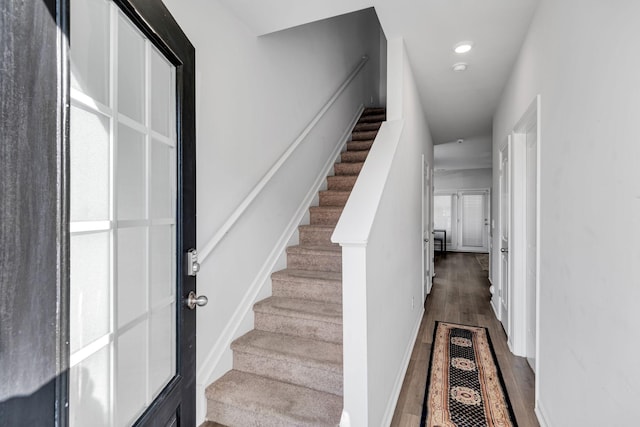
341,182
354,156
293,373
333,199
305,328
347,168
325,218
362,136
367,126
314,237
311,291
319,262
359,145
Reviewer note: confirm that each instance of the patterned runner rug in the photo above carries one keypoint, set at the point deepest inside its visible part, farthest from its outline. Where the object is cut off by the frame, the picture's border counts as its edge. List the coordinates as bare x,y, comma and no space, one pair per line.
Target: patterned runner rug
464,384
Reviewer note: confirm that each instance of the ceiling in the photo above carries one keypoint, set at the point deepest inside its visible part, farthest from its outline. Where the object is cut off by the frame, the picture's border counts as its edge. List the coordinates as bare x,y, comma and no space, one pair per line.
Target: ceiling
472,153
457,104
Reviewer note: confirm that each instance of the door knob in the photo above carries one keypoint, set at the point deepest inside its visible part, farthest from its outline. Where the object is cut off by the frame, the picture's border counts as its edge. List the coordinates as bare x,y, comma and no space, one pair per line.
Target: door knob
193,300
426,240
503,250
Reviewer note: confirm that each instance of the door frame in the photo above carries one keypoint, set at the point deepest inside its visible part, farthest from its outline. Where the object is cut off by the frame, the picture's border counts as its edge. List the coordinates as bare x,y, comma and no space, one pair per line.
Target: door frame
427,228
486,192
518,338
505,220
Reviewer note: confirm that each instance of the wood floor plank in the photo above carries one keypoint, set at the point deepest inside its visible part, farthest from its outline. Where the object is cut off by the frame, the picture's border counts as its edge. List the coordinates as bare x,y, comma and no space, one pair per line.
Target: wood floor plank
460,294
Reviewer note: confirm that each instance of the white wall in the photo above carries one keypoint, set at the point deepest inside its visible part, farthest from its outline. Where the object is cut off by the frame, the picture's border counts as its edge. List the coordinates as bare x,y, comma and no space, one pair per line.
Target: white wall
394,258
463,179
382,254
577,57
254,97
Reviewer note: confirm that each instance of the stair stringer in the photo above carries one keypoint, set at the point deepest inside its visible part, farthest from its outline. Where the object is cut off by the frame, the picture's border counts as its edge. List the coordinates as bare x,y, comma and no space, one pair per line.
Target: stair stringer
219,360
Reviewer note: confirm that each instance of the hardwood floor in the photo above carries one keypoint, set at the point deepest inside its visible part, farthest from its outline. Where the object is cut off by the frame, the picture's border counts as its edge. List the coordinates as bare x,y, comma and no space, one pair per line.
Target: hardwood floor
460,294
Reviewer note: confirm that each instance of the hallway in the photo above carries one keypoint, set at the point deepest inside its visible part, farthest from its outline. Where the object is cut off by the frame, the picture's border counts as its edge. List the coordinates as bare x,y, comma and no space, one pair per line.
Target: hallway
460,294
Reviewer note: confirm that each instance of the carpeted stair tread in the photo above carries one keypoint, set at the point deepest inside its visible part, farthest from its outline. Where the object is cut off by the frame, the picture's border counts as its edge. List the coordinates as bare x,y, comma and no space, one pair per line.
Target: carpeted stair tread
316,235
364,135
364,126
354,156
373,118
306,276
359,145
313,285
334,197
325,215
309,249
299,308
348,168
307,257
243,399
313,353
341,182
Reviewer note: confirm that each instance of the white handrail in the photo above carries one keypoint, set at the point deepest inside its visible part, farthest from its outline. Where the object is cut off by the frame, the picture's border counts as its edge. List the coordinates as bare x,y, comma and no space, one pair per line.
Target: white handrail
237,213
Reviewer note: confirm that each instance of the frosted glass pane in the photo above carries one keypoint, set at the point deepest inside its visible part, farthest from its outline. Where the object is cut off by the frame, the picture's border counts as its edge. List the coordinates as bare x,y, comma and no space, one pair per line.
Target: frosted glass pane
163,110
90,48
131,59
163,181
131,174
132,267
162,263
131,374
89,391
162,350
472,220
89,166
90,305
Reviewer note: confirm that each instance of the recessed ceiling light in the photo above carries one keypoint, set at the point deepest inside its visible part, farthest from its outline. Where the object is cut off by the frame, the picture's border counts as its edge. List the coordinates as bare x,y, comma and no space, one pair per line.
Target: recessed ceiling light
460,66
463,47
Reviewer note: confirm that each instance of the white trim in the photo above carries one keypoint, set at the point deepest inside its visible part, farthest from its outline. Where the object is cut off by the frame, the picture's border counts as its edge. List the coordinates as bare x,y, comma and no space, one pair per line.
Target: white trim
395,394
208,248
230,331
541,414
496,312
518,238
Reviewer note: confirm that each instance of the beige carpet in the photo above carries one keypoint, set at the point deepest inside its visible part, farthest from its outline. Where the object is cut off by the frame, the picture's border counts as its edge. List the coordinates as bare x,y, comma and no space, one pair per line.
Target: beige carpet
483,260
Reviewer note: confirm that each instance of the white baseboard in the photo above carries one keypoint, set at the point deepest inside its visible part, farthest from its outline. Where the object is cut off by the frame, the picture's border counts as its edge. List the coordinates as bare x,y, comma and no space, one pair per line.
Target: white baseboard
496,312
540,414
397,388
205,373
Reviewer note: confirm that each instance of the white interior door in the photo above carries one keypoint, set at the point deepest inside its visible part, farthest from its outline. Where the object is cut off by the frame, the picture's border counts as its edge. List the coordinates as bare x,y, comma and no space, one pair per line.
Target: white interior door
123,218
504,291
473,219
531,239
426,230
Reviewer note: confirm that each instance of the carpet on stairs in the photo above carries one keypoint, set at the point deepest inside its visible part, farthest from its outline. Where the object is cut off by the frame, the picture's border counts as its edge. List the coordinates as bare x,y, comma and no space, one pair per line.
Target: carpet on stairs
288,369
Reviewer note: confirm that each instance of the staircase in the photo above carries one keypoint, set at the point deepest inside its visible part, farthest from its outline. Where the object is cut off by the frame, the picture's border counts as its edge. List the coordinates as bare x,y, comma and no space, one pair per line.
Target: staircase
288,370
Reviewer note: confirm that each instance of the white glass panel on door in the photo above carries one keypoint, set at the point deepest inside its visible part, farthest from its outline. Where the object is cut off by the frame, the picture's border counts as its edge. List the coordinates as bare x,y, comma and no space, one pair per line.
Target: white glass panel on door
91,43
123,218
472,219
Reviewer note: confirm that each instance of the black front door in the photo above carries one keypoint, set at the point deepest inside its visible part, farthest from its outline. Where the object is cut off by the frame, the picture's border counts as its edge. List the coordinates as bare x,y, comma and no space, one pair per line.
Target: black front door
98,211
